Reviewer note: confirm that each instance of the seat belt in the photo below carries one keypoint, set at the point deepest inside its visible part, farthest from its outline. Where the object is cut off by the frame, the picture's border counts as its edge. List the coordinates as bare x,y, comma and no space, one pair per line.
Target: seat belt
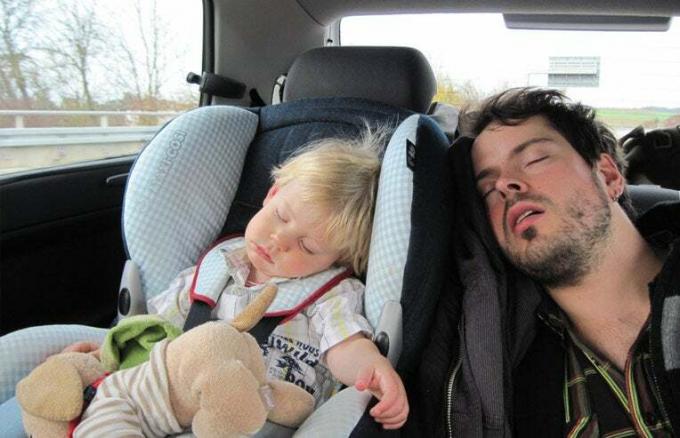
277,92
264,328
199,313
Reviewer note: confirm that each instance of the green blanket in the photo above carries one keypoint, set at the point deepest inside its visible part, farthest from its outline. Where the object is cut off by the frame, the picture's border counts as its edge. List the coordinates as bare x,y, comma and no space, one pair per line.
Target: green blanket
130,342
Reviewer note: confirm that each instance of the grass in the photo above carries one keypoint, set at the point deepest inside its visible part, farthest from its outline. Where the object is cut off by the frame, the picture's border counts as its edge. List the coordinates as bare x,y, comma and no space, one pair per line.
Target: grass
634,117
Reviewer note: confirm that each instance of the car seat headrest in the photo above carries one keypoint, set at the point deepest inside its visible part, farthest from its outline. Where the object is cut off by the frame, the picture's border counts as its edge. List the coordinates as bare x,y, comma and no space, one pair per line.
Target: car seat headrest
408,256
398,76
645,197
181,188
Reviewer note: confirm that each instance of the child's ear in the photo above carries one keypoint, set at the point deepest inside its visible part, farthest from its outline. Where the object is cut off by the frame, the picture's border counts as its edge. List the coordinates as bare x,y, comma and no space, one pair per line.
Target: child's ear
613,178
273,190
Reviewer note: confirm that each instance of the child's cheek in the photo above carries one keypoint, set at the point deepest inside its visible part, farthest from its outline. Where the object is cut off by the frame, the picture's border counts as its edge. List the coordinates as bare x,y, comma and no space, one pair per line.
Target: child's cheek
299,267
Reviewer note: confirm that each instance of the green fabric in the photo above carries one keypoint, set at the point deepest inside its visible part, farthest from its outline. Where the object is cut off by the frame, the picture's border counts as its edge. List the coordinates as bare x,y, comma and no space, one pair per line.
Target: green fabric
130,342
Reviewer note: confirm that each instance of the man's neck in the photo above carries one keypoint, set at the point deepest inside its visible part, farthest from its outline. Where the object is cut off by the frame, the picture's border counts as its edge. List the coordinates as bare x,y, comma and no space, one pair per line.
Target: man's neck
610,305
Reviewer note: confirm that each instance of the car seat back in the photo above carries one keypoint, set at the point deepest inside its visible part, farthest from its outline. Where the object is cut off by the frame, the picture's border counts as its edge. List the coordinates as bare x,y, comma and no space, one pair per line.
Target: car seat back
643,196
186,187
184,169
408,258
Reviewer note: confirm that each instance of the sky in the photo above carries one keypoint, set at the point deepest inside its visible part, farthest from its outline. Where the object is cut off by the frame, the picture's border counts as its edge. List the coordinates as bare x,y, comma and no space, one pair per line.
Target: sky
637,69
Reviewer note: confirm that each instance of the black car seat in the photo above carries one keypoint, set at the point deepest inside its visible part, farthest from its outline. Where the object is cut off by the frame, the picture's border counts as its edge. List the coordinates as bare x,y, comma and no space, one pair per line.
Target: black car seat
646,196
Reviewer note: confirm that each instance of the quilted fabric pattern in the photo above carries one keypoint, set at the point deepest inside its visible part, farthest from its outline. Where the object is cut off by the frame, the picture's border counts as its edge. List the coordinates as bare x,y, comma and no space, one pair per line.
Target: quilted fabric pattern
23,350
180,190
212,274
391,224
337,417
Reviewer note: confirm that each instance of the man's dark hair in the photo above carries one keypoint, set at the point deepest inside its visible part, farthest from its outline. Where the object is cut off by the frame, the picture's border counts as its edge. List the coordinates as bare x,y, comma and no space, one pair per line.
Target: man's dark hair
574,121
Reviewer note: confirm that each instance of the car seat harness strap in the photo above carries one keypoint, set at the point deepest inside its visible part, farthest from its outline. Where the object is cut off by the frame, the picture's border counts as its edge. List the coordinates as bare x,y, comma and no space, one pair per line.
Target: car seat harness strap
88,395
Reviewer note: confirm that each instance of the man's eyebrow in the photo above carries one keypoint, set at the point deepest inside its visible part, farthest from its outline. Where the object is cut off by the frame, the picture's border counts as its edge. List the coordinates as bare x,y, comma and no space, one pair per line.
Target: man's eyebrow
513,153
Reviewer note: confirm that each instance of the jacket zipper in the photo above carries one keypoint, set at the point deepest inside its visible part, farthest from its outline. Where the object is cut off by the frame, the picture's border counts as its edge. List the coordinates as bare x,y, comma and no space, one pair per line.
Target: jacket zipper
658,391
449,397
657,388
452,380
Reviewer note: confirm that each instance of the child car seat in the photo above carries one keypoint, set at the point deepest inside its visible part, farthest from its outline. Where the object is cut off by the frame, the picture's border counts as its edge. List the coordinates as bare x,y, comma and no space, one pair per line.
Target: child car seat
206,172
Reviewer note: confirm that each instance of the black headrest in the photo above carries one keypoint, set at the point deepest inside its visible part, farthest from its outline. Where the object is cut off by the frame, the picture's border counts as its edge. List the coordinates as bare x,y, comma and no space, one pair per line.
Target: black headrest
645,197
398,76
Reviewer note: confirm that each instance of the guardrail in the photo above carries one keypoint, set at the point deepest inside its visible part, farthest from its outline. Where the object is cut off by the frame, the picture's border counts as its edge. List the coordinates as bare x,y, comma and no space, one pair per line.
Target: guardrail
103,116
21,136
27,137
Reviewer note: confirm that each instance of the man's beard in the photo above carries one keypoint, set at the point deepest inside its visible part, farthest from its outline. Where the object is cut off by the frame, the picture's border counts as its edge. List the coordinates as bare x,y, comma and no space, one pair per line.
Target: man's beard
565,258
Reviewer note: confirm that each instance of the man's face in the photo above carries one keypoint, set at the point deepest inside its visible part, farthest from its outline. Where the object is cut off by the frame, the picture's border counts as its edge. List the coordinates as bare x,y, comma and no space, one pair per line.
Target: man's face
286,237
548,208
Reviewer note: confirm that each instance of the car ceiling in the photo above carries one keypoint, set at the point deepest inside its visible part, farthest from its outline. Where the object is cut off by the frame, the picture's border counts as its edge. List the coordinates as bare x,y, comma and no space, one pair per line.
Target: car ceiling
327,11
255,41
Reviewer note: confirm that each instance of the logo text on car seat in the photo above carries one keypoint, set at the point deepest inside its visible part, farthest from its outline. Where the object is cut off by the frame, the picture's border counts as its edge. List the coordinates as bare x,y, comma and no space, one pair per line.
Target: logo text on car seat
410,155
169,156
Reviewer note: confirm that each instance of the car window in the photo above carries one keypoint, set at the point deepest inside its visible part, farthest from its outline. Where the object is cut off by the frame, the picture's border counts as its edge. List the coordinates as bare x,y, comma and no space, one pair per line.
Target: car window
632,78
85,79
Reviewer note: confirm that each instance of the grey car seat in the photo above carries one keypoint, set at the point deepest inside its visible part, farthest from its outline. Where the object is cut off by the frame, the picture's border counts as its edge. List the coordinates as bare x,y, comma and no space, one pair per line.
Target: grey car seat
234,149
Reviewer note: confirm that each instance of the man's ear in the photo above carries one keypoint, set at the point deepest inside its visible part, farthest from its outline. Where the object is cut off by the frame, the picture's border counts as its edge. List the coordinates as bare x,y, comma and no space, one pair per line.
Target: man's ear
273,190
611,175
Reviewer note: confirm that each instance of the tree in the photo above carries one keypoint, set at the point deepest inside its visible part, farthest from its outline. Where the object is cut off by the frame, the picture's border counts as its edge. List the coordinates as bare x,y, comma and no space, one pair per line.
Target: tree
17,66
455,94
75,46
140,56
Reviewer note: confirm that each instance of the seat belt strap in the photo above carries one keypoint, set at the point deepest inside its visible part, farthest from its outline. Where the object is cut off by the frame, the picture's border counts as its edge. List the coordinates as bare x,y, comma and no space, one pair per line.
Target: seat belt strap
264,328
199,312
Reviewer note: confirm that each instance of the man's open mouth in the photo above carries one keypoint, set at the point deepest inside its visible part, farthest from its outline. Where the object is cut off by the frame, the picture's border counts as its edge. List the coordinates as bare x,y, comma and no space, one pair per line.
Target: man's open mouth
522,216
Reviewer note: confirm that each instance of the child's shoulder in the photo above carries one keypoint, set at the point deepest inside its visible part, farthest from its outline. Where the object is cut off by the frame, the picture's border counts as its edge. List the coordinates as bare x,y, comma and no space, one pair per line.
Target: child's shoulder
347,287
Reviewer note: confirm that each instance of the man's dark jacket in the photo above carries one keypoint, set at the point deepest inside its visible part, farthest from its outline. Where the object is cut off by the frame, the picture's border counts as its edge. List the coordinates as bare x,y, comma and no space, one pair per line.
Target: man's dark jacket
485,327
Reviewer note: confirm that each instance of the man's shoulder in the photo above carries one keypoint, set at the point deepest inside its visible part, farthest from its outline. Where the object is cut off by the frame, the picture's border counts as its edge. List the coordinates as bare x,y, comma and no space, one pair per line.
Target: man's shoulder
660,225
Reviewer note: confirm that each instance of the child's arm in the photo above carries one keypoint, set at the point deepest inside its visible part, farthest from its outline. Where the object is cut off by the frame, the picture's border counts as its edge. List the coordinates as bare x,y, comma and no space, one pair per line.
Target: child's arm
357,362
83,347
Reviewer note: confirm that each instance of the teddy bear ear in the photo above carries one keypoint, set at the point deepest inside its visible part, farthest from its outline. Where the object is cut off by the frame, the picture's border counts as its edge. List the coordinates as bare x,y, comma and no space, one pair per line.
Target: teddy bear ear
53,391
253,313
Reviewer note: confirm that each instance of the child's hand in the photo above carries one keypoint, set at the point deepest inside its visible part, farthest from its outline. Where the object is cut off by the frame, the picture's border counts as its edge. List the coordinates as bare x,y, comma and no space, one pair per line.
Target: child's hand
83,347
384,383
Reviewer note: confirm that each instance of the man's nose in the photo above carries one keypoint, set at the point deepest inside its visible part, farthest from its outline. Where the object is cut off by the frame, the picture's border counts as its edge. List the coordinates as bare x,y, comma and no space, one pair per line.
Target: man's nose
507,186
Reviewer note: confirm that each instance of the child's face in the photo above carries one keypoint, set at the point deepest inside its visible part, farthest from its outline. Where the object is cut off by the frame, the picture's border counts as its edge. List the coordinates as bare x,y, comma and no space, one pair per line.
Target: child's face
285,238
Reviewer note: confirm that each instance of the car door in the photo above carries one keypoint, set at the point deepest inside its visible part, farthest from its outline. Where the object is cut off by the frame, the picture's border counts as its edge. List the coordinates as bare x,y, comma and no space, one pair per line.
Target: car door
62,251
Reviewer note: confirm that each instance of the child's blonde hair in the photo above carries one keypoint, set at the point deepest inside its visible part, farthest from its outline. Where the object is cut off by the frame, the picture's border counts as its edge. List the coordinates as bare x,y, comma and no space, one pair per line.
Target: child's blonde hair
340,175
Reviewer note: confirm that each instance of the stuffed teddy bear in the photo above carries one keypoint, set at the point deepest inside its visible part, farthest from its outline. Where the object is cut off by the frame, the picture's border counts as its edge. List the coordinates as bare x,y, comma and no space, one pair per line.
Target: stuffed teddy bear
216,384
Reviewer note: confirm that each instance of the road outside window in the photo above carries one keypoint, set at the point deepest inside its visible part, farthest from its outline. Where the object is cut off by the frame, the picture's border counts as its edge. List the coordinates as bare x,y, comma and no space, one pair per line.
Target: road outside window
91,79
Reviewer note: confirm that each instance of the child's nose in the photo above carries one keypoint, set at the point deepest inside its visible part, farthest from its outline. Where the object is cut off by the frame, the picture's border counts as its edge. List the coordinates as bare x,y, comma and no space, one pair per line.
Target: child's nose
281,241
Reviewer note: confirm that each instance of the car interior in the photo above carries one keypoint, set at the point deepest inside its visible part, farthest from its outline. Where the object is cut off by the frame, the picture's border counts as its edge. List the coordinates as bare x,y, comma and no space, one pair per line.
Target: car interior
87,243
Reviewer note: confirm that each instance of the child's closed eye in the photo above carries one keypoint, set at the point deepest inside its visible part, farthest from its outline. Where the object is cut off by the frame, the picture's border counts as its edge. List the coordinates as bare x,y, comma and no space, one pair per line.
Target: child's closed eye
278,215
305,247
